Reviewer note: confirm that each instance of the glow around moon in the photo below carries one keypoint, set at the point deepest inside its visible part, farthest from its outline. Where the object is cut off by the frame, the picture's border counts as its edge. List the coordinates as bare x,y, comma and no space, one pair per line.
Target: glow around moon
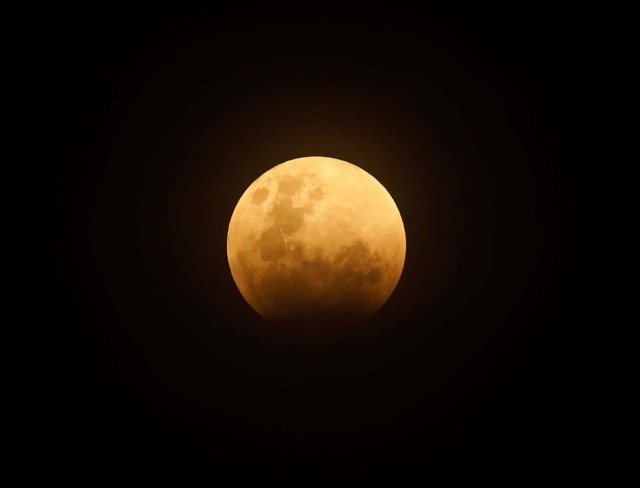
316,241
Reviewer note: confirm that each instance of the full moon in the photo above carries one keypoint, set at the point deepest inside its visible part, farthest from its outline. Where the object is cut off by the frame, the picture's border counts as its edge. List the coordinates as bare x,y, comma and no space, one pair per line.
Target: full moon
316,241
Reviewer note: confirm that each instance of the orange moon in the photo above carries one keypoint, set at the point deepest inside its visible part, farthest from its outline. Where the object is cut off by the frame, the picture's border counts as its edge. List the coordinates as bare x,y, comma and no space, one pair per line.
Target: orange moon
316,241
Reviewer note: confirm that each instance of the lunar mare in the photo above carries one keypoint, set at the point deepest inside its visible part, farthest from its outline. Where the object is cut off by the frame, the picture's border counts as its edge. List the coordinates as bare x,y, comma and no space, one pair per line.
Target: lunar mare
316,240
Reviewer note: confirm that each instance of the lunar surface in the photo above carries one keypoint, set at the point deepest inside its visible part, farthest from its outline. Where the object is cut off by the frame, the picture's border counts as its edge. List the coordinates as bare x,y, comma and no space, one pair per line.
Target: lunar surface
316,241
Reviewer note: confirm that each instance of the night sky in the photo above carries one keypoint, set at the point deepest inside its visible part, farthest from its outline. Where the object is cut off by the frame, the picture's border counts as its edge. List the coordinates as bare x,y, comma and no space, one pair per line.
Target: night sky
169,116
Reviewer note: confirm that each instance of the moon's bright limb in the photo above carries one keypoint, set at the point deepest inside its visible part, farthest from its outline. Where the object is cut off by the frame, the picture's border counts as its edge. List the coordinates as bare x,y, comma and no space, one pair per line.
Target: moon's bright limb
316,240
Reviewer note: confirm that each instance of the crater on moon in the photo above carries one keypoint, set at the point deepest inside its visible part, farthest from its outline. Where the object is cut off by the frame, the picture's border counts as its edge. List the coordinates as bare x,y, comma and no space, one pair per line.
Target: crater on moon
316,241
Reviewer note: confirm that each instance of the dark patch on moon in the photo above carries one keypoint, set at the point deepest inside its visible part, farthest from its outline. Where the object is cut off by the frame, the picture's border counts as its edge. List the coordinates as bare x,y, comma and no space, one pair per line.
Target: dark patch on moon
286,217
358,265
271,244
289,185
259,196
316,195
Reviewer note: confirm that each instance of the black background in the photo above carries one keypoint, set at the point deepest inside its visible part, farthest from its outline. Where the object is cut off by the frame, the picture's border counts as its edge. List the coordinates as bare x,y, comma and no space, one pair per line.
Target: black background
168,117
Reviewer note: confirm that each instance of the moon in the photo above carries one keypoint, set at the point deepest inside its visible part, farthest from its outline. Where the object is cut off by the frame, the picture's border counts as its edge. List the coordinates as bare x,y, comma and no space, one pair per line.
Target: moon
316,241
